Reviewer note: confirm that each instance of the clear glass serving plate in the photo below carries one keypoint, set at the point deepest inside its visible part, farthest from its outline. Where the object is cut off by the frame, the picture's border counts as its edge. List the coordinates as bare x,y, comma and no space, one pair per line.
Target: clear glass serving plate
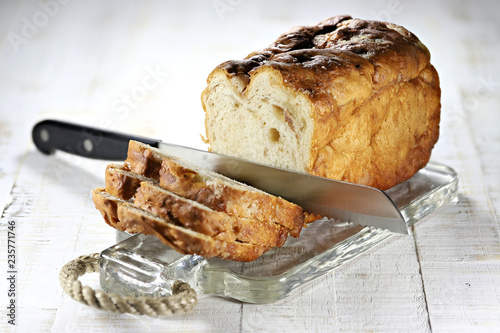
141,265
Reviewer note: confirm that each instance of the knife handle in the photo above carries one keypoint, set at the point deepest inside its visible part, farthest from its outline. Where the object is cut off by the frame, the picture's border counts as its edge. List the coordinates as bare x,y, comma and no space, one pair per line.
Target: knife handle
51,135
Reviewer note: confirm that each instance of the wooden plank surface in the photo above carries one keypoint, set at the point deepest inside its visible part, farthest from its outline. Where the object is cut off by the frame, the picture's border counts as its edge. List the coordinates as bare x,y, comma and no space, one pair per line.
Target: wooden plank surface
141,66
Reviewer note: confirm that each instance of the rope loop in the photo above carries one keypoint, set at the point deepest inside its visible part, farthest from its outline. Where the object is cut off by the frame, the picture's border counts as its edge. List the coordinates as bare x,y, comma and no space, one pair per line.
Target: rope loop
182,300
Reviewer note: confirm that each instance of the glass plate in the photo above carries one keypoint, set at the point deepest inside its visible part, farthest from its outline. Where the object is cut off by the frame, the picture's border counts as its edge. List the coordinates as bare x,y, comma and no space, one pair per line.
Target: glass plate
142,265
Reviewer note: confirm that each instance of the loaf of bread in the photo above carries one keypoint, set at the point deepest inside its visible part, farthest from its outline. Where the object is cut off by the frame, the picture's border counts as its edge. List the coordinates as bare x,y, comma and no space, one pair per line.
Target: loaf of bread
194,211
346,99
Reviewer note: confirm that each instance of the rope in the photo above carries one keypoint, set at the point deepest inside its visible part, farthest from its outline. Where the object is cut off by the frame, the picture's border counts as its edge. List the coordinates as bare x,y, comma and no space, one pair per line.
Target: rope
182,300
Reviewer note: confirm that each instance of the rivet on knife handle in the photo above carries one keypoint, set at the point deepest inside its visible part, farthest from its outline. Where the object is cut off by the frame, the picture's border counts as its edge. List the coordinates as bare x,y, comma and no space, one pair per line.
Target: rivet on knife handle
51,135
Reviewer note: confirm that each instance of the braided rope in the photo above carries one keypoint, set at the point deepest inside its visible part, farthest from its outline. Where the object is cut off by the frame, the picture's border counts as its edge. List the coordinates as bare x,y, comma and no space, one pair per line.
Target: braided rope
182,300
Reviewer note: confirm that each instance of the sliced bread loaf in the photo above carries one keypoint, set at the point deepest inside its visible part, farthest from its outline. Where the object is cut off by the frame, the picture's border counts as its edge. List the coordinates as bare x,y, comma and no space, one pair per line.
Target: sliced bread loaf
125,216
149,196
211,189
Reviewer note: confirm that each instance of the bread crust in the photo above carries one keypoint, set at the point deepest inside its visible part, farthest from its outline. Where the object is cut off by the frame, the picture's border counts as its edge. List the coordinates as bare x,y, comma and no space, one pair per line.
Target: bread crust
373,93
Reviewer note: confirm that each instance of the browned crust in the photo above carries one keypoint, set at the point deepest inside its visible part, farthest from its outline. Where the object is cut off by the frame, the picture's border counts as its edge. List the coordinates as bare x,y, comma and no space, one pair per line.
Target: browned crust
214,193
355,71
323,50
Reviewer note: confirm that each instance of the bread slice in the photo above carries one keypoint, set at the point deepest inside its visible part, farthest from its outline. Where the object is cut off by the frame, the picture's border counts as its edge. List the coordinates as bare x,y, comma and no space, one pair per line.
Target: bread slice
149,196
124,216
187,241
197,217
213,190
190,214
347,99
108,204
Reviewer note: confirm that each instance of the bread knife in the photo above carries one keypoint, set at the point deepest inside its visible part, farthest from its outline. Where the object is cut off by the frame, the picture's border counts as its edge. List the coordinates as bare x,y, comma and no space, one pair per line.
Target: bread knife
347,202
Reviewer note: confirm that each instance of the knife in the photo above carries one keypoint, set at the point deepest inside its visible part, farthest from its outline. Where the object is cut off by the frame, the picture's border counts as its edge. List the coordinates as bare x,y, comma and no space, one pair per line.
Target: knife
347,202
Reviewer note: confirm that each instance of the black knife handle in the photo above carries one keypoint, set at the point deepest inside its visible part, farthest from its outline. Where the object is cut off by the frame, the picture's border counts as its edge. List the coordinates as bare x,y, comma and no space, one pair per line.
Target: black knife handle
51,135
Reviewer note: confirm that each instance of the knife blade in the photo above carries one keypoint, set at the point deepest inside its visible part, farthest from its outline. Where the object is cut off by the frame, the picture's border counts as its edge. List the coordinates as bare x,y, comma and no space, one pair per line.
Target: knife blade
347,202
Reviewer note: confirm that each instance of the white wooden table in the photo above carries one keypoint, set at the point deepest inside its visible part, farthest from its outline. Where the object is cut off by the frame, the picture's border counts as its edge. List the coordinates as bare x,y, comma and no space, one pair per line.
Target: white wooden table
140,67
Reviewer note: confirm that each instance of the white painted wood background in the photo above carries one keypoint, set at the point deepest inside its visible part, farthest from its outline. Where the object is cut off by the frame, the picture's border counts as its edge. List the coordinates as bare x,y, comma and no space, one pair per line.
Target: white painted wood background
87,62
